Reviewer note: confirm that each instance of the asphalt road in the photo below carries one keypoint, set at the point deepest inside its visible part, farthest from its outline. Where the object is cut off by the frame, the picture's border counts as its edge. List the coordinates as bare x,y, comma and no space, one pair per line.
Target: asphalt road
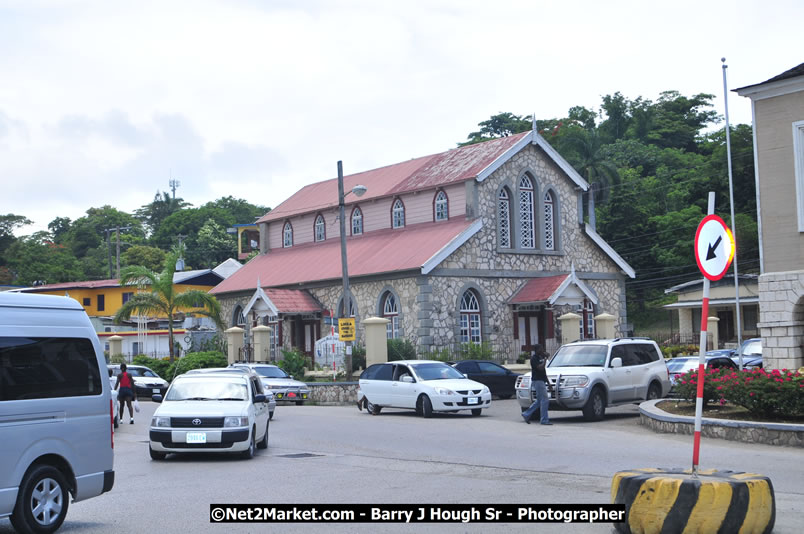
351,457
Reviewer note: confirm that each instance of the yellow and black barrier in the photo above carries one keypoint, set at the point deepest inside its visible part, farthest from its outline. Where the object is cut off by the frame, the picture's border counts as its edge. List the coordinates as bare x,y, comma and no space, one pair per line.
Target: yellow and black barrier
673,500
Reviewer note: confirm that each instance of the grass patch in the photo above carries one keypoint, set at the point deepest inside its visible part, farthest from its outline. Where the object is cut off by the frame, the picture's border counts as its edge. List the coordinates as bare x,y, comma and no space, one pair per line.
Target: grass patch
727,411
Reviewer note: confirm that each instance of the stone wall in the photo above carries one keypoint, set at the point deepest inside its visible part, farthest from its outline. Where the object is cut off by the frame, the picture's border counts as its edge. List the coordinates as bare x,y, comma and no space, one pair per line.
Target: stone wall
333,393
781,316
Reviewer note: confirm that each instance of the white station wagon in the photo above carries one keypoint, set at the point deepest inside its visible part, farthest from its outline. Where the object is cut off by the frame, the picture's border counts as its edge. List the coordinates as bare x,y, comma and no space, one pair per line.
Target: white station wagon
211,412
422,385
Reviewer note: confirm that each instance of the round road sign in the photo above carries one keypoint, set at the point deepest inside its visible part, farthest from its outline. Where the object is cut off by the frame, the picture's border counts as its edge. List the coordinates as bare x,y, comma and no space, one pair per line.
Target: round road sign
714,247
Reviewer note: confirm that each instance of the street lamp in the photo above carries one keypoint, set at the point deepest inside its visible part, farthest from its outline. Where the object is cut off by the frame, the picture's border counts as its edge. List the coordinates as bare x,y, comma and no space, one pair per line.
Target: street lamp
358,190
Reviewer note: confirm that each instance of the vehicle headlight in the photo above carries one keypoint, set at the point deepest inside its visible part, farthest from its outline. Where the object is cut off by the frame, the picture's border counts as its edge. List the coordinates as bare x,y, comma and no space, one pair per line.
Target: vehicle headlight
444,391
231,421
576,381
163,422
484,390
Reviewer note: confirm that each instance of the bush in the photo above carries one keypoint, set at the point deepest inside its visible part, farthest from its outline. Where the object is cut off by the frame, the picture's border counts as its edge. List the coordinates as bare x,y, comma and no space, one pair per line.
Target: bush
523,357
117,359
400,349
293,363
358,357
474,351
671,351
157,365
687,385
194,360
442,355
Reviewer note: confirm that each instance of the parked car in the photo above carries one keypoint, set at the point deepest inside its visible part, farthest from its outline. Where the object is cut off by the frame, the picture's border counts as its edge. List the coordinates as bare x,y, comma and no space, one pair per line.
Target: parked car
210,412
422,385
56,411
268,393
146,382
593,375
500,381
680,366
752,353
282,385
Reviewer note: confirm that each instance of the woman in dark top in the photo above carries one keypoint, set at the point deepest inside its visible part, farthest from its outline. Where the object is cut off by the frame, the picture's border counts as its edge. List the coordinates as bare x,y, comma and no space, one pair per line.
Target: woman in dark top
127,392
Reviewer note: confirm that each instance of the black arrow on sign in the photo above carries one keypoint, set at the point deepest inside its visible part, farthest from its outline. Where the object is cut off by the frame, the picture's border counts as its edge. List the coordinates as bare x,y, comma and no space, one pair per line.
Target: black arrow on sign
710,254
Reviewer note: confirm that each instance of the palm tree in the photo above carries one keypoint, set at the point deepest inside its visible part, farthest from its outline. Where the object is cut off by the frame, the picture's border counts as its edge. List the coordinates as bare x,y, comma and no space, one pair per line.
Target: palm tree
163,299
590,162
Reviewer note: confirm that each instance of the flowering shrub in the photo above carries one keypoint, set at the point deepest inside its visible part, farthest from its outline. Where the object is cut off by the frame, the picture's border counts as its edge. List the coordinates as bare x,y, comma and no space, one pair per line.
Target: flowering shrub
764,393
687,385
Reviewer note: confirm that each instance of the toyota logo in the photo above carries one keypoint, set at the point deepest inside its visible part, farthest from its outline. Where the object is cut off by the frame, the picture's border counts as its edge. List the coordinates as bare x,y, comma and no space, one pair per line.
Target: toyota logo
196,421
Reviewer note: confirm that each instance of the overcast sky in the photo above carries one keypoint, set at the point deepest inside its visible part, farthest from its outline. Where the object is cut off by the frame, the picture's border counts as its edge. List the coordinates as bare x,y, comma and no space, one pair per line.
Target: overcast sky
102,102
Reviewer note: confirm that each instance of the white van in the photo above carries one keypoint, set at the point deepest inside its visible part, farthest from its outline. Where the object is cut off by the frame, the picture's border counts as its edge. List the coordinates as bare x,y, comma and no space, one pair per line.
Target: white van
55,411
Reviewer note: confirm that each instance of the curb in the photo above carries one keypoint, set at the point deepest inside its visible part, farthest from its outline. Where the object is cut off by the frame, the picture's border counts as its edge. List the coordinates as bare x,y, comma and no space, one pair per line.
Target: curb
779,434
673,500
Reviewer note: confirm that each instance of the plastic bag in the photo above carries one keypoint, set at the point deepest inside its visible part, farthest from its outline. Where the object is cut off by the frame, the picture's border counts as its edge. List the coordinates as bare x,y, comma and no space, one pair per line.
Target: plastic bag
136,406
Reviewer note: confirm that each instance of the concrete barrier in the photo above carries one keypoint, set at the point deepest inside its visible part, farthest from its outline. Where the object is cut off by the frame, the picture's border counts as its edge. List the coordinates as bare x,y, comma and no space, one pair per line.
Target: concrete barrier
673,500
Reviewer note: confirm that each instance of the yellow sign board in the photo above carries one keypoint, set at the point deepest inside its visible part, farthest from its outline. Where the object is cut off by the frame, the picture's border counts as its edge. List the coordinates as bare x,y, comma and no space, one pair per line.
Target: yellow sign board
346,329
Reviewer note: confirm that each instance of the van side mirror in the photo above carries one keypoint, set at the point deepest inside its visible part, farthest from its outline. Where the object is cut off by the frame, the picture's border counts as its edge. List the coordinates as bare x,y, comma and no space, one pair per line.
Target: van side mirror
406,378
616,362
259,397
156,397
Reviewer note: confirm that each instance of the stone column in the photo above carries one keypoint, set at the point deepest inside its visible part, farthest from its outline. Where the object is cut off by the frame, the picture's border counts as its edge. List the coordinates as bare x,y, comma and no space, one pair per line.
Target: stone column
711,331
234,340
262,343
376,340
115,346
604,324
570,327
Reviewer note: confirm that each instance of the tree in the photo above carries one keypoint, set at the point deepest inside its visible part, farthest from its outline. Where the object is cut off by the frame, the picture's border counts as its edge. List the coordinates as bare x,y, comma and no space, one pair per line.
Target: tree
36,259
590,161
214,245
501,125
59,228
163,205
149,257
90,231
159,296
8,223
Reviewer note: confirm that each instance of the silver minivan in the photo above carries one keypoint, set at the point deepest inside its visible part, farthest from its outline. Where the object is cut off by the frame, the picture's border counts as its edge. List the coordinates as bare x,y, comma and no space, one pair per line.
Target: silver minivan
56,418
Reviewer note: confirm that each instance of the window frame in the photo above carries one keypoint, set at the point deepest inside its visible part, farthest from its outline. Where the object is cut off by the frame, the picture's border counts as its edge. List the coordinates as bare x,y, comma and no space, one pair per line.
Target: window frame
526,195
549,226
397,214
392,328
287,235
440,200
504,231
319,228
470,322
357,215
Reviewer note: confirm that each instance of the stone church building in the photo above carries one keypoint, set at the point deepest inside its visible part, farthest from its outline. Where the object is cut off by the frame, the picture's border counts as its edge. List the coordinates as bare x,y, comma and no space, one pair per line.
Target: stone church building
482,243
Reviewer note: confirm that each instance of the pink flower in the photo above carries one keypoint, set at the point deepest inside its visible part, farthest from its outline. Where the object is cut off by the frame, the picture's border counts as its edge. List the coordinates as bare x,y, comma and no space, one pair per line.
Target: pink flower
719,388
751,394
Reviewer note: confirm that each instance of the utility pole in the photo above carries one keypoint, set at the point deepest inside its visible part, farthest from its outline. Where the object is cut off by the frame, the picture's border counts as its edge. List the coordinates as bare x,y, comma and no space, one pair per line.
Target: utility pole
109,250
109,247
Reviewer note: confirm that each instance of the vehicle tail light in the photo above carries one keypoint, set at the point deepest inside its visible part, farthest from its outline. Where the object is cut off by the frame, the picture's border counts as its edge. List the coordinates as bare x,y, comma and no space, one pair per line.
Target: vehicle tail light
111,420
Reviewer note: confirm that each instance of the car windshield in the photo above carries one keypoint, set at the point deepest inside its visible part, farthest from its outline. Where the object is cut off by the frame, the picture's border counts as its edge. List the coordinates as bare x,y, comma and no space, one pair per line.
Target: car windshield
752,346
141,371
436,371
580,356
677,364
271,372
208,389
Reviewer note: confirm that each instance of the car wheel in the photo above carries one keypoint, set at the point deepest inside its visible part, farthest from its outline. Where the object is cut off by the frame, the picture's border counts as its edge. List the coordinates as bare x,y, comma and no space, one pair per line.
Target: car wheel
595,407
116,420
248,454
427,406
523,408
505,397
263,444
299,403
270,415
654,391
156,455
476,411
42,501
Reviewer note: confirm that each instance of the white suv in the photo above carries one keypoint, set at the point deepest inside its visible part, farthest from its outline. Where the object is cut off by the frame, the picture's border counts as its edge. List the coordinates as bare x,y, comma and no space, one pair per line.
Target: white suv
591,375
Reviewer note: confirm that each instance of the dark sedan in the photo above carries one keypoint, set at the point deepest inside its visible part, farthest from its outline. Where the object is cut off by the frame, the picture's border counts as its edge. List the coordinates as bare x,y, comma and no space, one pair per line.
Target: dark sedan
498,379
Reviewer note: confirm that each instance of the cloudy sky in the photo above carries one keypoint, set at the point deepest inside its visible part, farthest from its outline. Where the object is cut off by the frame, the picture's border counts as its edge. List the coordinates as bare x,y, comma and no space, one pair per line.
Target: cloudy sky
102,102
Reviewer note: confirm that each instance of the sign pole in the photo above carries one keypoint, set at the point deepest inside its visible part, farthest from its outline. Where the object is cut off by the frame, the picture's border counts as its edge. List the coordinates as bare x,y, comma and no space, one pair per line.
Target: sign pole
696,447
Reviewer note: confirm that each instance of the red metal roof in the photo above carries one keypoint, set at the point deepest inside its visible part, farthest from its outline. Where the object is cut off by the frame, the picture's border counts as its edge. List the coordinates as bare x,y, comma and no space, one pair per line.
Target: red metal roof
292,300
90,284
538,289
383,251
428,172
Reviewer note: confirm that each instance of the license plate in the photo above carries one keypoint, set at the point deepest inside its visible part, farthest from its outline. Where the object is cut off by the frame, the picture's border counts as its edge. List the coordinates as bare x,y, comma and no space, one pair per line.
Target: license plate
156,390
196,437
471,400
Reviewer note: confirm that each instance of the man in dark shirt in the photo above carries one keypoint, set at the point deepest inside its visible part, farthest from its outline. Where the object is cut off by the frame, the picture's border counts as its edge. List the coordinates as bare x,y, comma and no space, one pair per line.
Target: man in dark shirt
538,385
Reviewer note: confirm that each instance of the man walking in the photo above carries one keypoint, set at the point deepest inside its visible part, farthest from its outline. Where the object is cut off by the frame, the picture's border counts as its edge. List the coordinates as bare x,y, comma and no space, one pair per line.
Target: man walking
538,386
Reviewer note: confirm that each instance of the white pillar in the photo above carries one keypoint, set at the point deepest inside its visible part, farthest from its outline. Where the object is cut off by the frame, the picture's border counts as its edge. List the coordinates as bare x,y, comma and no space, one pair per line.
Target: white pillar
711,330
376,340
570,327
234,341
604,324
262,343
115,346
